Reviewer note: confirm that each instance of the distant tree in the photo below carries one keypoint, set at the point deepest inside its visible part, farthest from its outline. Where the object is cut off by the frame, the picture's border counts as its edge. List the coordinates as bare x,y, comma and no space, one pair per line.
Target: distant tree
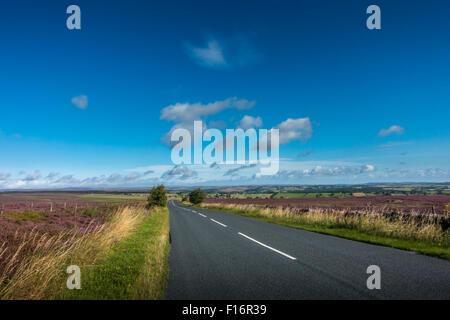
157,197
185,198
197,196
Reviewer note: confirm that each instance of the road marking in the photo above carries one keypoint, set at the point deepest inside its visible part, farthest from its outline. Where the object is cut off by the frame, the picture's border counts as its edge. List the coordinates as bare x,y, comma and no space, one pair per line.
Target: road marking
223,225
201,214
268,247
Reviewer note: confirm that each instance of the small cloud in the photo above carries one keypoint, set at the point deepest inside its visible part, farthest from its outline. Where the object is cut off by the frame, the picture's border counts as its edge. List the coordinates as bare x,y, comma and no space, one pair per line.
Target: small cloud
81,102
305,154
180,172
52,175
68,179
393,129
214,165
367,168
209,56
234,51
33,176
248,122
233,172
4,176
295,129
395,144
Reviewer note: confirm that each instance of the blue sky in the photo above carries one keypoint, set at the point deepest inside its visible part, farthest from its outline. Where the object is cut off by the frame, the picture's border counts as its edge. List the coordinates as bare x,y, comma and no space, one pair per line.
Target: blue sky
86,107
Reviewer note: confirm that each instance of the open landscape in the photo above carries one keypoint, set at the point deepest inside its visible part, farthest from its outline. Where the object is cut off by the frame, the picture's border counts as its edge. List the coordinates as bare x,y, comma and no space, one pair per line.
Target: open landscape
122,244
237,151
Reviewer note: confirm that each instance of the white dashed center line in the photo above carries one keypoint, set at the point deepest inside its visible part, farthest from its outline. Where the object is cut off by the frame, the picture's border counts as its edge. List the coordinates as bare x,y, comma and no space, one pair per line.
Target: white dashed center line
201,214
223,225
268,247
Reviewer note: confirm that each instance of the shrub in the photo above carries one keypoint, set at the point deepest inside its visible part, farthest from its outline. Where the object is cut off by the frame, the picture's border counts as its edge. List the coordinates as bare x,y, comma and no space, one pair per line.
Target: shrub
157,197
445,224
197,196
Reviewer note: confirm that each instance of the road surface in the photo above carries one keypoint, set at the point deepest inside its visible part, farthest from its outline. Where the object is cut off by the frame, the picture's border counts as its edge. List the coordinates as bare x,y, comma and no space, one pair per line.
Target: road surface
218,255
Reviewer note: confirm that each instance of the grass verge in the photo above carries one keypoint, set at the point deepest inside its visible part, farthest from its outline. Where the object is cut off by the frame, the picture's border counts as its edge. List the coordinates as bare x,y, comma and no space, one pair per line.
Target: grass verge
135,268
335,228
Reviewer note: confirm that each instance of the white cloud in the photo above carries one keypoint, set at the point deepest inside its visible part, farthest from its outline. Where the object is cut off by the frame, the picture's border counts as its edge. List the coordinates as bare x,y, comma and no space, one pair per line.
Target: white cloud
248,122
183,112
392,129
81,102
52,175
295,129
4,176
179,172
209,56
33,176
396,144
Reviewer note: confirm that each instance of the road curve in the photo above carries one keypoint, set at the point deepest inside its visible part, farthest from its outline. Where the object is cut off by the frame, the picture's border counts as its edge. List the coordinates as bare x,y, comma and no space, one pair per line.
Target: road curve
218,255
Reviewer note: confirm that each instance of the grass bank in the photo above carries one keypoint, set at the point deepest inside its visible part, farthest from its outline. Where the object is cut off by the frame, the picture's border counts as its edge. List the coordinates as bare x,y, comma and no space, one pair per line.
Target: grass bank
124,258
425,236
135,268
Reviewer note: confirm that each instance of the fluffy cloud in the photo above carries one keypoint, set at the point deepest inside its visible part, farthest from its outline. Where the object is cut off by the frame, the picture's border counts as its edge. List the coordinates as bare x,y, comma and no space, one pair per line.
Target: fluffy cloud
184,112
392,129
81,102
295,129
248,122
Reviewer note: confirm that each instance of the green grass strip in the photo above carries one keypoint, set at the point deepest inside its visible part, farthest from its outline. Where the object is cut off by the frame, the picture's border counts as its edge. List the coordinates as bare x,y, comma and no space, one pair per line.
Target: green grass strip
427,248
117,276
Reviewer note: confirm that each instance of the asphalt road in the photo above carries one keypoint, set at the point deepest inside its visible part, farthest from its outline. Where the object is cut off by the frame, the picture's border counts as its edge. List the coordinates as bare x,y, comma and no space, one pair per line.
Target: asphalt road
218,255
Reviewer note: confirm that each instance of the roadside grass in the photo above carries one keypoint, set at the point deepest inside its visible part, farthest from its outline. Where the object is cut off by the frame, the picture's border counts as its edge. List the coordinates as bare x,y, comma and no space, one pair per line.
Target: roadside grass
135,268
425,237
114,257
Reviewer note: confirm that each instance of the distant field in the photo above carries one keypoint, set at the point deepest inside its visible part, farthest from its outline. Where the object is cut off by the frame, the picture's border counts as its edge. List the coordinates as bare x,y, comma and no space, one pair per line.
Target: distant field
426,204
109,197
310,195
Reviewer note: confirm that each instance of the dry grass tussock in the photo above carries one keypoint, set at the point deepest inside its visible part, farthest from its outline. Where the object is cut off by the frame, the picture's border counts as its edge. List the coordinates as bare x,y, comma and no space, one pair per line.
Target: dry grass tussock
371,221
